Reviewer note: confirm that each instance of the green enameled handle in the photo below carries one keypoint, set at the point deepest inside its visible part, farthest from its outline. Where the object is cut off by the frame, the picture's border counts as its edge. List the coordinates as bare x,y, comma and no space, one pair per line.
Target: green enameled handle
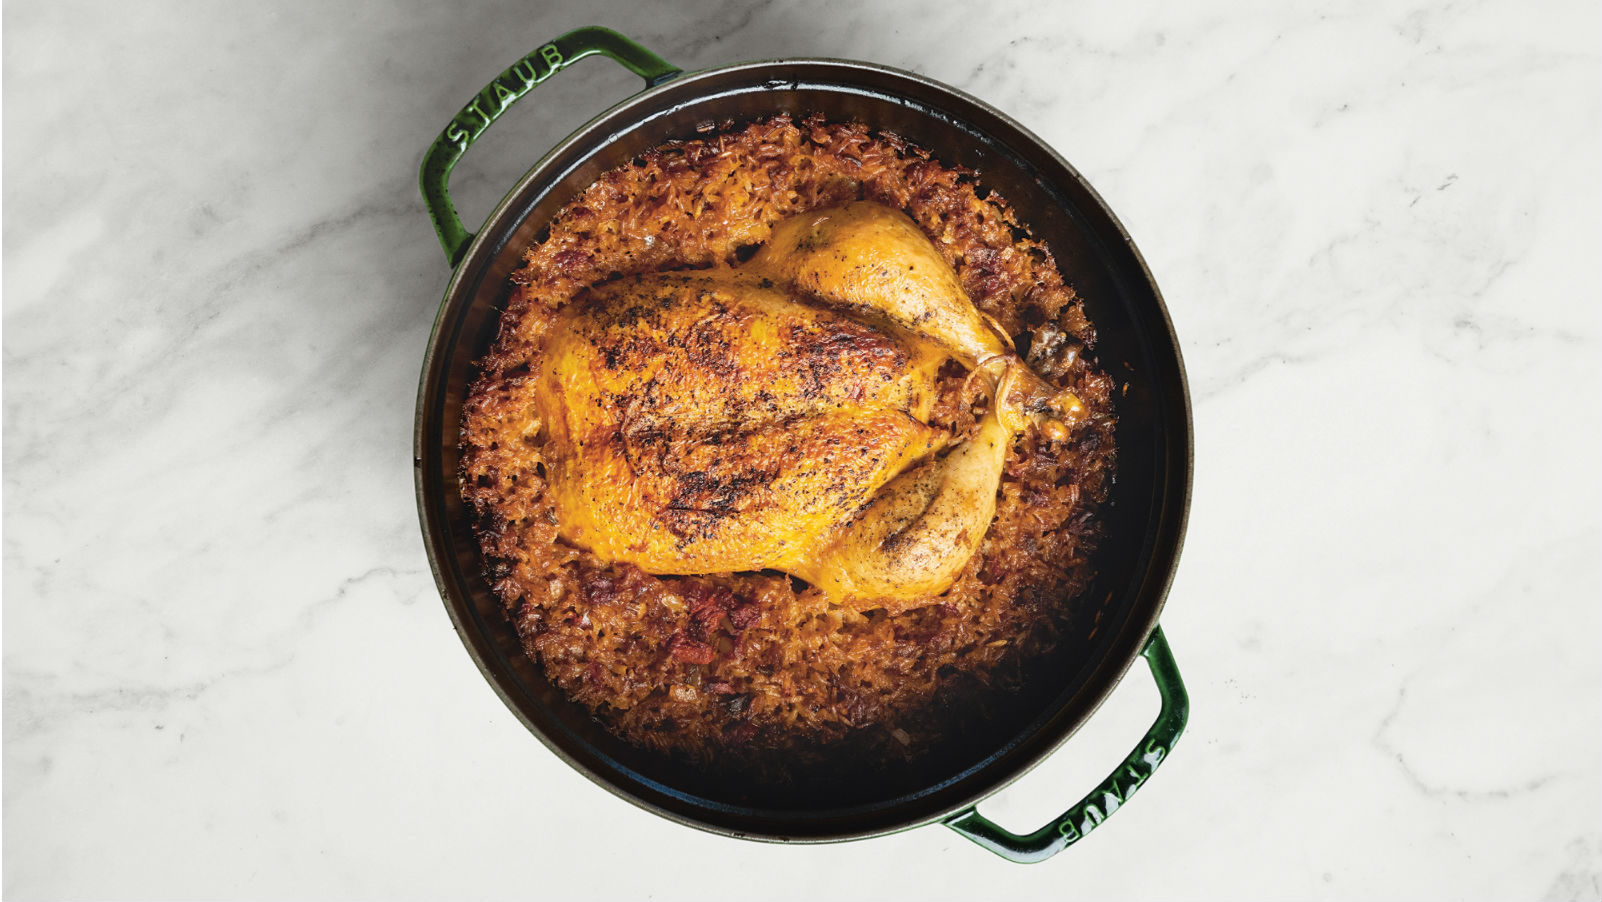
504,91
1112,794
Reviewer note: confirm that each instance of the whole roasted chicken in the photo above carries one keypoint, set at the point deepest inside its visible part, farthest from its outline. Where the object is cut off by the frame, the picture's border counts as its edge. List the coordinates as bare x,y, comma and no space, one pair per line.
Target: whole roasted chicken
775,415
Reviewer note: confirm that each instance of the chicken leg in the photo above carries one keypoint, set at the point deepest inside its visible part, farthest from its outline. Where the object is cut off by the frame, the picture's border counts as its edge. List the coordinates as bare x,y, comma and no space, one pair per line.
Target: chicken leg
917,534
875,261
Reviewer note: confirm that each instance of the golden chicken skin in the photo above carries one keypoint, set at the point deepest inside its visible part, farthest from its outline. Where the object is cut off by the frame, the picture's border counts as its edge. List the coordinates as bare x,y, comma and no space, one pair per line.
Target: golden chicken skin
775,415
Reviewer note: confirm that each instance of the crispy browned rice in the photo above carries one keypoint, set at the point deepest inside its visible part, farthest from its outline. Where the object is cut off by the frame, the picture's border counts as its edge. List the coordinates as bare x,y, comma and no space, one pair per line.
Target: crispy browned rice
713,667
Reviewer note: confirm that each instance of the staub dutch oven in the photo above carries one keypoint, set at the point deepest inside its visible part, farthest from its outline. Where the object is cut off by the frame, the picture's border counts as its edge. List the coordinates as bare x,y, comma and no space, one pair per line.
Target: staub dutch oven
1145,517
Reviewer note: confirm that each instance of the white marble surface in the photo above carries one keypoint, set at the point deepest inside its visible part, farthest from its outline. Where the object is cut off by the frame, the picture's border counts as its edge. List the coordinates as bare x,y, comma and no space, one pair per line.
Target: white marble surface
227,673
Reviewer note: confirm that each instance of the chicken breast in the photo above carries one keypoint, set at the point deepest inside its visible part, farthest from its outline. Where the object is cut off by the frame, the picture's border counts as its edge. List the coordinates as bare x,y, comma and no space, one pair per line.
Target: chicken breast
706,422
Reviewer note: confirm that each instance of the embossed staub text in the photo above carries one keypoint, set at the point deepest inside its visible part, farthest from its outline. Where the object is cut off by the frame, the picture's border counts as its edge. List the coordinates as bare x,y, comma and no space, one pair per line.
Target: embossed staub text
1111,794
507,87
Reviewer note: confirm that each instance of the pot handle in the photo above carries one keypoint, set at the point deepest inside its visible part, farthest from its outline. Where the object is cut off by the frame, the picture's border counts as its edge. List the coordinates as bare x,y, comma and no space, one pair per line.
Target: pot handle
504,91
1113,792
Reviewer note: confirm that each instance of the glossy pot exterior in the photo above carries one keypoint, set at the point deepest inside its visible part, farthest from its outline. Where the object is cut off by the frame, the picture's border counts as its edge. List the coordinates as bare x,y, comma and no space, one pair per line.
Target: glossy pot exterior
1136,344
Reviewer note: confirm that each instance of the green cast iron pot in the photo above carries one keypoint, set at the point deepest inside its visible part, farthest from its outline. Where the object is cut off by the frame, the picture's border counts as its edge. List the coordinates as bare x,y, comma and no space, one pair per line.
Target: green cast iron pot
1145,517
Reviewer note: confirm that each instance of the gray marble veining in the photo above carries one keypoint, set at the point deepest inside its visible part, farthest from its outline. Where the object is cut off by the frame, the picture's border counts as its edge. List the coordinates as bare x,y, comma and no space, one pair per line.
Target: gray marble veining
226,671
